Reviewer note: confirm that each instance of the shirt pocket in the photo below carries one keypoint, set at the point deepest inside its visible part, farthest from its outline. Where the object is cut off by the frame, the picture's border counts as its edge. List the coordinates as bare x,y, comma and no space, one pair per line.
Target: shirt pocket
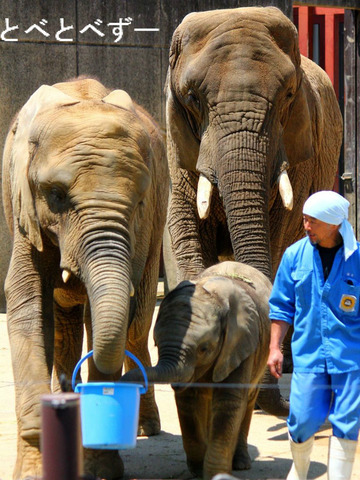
303,283
344,297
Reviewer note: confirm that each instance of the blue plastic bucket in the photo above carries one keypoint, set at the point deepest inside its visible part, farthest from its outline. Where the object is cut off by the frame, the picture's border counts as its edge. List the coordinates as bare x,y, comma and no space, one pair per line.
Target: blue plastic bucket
109,410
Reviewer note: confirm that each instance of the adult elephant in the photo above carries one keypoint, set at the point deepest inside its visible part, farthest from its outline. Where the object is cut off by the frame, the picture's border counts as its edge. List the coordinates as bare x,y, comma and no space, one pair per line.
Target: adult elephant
84,182
253,129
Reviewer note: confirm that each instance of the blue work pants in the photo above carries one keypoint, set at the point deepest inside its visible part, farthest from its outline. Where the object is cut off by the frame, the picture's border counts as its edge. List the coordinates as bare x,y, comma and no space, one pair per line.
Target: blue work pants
314,397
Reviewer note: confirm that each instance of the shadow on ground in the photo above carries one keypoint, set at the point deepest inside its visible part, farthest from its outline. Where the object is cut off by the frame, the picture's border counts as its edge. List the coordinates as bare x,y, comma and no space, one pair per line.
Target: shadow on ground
163,457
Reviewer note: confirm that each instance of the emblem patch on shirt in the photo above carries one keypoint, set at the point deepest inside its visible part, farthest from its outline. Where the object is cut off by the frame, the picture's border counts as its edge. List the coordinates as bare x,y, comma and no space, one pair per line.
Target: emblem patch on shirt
347,303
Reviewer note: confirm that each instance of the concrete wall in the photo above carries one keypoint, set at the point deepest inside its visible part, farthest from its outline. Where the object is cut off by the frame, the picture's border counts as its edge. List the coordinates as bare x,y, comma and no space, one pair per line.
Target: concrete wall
136,63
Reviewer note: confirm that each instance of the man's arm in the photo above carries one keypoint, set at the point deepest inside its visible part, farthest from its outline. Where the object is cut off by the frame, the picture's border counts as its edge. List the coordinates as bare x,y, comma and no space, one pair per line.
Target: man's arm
275,359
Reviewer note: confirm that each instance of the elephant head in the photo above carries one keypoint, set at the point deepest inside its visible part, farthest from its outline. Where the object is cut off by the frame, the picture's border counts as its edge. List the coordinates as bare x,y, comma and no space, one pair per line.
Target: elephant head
206,328
241,113
82,181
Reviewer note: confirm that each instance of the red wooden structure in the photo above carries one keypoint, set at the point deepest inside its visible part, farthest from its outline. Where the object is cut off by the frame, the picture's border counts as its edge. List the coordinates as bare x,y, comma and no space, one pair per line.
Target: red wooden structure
319,27
321,39
321,33
331,37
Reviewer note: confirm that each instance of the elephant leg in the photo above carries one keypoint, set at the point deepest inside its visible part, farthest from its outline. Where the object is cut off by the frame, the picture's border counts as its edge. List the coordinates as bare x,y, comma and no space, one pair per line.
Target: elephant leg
30,328
242,460
230,410
137,341
104,464
69,332
170,265
197,244
184,226
214,235
149,418
193,406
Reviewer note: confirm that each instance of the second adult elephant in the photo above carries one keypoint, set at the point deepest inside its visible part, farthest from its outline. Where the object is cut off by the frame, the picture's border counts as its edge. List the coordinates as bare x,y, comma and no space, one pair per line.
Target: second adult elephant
85,192
253,129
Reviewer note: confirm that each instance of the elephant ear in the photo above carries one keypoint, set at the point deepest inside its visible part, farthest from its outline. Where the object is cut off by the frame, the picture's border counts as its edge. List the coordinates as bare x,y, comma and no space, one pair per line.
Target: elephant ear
120,98
298,136
45,97
241,331
180,134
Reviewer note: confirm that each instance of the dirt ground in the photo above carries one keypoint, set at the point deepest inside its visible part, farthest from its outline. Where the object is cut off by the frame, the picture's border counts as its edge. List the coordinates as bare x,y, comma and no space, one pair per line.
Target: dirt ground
162,456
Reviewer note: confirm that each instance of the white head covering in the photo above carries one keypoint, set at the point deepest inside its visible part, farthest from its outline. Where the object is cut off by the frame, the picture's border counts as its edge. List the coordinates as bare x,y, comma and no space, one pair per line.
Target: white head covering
330,207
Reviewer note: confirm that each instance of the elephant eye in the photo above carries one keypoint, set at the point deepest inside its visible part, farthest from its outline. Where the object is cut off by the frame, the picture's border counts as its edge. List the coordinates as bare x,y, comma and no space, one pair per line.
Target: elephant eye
192,106
192,99
203,348
56,198
57,194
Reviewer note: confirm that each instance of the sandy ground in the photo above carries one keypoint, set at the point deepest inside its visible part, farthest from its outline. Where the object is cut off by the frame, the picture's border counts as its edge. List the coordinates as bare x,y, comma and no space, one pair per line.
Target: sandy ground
162,456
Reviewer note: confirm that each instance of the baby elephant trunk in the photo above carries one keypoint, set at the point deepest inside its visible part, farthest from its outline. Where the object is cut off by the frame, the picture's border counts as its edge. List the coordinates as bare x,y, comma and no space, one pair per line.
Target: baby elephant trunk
163,372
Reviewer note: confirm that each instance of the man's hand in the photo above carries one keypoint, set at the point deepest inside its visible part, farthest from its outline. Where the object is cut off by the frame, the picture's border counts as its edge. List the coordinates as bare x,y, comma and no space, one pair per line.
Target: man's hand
276,358
275,362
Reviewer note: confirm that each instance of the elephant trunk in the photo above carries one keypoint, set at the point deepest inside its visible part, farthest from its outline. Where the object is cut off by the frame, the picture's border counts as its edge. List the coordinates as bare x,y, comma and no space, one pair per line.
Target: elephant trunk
107,278
154,374
270,399
244,183
172,368
244,186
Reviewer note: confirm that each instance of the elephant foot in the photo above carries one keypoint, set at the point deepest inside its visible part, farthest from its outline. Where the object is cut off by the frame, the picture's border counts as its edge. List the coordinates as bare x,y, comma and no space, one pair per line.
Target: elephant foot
149,425
28,464
104,464
195,468
25,473
242,460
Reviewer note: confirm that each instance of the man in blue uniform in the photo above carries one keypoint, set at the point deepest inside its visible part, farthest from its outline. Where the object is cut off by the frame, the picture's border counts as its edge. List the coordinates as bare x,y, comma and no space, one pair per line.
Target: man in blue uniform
317,290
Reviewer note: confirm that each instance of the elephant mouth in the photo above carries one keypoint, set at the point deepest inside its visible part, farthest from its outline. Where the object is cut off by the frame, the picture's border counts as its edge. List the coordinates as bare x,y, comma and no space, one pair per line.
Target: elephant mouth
73,290
180,387
205,188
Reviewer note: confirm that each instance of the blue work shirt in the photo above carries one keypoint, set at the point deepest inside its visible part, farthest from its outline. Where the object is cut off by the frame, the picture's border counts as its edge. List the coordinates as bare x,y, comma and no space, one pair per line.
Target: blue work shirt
325,314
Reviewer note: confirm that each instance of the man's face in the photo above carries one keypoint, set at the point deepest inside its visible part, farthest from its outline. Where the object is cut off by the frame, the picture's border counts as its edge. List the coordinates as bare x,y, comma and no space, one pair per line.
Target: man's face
321,233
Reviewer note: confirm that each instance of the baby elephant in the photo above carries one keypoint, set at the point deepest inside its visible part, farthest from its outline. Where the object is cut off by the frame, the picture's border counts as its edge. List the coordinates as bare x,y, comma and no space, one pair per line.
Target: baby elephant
212,337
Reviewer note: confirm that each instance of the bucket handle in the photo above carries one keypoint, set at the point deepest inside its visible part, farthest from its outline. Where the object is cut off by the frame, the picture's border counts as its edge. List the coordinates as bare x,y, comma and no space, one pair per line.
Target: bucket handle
129,354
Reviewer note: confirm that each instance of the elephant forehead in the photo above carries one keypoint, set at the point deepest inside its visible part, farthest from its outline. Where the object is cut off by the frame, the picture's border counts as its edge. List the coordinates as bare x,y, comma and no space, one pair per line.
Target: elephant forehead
76,142
86,168
214,33
244,45
202,25
234,62
185,303
86,120
188,320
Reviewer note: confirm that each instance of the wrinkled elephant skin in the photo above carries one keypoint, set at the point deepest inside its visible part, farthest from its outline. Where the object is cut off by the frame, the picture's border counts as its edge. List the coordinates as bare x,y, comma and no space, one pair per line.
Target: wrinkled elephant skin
253,129
84,186
214,330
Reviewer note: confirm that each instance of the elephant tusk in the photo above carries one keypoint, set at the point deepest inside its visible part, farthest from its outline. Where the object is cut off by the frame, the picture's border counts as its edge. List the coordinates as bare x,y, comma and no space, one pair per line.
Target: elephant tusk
66,274
204,191
132,290
285,190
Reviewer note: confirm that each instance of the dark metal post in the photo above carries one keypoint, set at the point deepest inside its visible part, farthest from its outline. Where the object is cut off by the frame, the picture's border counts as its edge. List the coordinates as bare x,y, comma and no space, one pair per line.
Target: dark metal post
61,444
